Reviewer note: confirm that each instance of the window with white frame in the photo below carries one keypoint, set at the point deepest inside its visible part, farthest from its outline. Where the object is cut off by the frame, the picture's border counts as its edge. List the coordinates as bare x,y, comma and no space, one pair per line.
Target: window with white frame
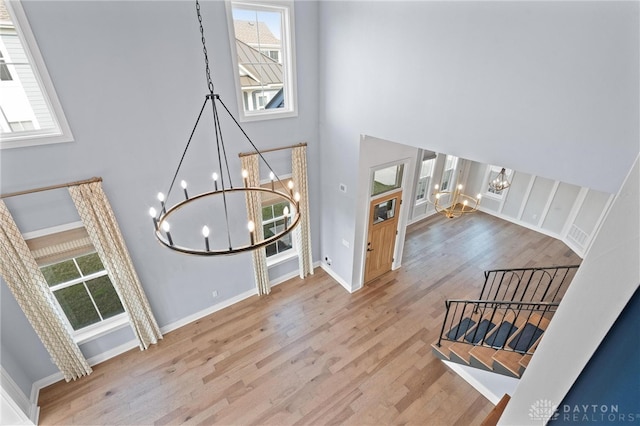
492,175
387,179
261,34
272,224
447,181
426,170
83,290
30,113
79,282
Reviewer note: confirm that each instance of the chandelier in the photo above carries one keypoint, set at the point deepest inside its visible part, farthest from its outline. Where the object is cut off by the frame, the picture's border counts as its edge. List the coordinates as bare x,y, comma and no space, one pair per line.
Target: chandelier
210,225
498,182
456,204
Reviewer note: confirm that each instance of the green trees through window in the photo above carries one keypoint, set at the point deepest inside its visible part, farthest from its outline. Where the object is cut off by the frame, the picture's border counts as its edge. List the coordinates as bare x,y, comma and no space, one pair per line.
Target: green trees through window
83,290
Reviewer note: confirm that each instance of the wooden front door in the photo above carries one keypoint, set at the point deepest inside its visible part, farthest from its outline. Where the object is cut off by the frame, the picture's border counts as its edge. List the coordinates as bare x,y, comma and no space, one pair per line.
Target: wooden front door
381,242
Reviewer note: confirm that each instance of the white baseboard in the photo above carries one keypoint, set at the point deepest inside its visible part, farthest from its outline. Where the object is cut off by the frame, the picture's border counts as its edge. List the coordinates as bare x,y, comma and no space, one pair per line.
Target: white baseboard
104,356
335,276
208,311
579,251
17,397
492,386
286,277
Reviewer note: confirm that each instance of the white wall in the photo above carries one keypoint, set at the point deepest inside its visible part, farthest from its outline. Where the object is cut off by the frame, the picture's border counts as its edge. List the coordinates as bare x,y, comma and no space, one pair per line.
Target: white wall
130,77
374,153
561,210
606,280
546,87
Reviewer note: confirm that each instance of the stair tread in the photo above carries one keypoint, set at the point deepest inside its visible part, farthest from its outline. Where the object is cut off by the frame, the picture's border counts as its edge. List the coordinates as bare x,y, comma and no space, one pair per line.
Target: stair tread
483,355
509,360
443,348
461,350
525,360
531,330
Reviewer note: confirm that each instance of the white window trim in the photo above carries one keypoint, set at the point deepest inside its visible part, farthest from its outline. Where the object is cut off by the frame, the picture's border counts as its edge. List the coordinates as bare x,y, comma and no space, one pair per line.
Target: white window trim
425,198
284,256
97,330
93,331
32,51
287,254
289,68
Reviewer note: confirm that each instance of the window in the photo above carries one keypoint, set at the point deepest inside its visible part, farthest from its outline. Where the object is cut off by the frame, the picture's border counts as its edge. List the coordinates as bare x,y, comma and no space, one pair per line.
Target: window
27,92
491,175
5,74
81,286
272,223
423,180
262,46
387,179
83,290
450,165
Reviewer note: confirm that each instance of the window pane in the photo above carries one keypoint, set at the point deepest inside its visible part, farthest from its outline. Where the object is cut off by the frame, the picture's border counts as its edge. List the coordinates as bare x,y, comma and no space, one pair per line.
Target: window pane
446,176
384,211
271,249
259,49
421,190
278,209
90,263
267,213
284,243
426,168
30,113
77,306
387,179
60,272
269,230
105,296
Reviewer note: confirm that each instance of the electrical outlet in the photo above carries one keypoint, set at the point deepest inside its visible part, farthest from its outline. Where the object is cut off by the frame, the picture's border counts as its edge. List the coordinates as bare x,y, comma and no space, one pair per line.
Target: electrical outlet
214,293
327,260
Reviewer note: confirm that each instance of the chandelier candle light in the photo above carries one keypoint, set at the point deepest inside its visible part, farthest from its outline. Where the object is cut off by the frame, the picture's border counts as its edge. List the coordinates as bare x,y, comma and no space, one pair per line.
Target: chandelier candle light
234,240
459,203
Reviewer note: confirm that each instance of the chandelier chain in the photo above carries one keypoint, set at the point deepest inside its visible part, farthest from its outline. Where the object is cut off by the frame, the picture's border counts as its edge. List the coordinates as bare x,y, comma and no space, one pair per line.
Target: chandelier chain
204,49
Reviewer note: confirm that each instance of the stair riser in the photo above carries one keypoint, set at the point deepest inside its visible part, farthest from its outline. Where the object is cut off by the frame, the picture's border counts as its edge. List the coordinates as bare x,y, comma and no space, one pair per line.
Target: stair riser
477,364
455,358
498,368
439,354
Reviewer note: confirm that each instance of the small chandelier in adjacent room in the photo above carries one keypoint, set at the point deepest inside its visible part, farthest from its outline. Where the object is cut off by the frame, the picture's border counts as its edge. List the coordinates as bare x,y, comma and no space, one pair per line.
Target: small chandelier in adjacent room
456,203
210,222
498,181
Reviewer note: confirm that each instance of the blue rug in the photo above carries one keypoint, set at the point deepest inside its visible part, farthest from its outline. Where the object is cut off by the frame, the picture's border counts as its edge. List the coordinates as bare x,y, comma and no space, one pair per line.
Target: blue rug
499,337
523,341
477,334
459,330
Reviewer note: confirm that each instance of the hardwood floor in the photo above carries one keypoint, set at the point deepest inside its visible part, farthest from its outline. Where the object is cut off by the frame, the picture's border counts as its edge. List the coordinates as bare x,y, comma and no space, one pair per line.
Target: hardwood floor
310,353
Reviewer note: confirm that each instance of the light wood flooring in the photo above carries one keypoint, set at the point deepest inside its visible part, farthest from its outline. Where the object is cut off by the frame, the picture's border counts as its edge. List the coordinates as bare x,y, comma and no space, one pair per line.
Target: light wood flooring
311,353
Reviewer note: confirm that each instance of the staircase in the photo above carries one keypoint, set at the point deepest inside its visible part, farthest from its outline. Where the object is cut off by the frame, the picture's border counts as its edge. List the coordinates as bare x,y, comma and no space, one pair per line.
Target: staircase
501,329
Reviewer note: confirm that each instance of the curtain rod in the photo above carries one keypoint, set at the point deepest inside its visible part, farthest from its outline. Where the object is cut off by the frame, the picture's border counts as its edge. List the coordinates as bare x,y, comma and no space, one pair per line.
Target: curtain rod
48,188
262,151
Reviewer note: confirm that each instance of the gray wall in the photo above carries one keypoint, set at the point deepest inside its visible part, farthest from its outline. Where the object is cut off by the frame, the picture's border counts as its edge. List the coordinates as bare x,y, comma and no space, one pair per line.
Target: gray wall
130,77
545,87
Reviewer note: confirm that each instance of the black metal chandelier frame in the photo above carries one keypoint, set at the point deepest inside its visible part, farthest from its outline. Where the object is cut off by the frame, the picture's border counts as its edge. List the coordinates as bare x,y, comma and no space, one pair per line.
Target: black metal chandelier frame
161,220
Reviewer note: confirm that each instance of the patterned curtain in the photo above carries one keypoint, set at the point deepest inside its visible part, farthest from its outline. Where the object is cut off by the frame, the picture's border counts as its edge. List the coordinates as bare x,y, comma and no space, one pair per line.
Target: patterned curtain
302,233
25,280
97,216
254,212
